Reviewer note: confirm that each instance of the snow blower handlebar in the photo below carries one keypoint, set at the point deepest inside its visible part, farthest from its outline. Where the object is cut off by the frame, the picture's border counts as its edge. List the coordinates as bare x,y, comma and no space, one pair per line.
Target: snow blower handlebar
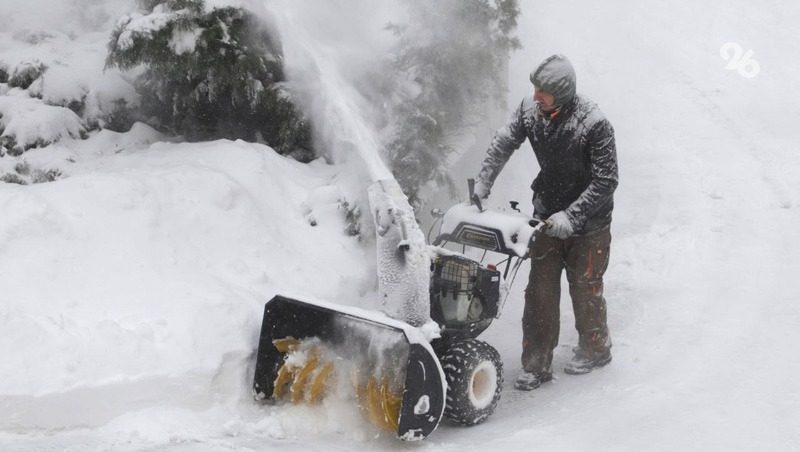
536,224
473,196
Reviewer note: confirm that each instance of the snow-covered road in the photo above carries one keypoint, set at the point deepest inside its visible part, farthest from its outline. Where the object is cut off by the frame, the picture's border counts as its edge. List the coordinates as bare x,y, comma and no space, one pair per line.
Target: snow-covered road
701,304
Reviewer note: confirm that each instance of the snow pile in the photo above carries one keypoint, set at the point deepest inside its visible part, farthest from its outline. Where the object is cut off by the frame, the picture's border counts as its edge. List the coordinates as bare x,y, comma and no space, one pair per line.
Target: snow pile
157,261
57,62
26,122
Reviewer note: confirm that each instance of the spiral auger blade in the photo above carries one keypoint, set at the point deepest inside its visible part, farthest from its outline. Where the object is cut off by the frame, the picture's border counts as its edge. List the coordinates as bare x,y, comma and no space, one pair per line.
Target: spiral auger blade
302,380
380,401
306,347
306,373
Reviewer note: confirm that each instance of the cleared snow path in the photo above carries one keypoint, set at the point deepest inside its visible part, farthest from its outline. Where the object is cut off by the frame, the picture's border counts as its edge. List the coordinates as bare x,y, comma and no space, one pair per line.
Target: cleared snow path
702,309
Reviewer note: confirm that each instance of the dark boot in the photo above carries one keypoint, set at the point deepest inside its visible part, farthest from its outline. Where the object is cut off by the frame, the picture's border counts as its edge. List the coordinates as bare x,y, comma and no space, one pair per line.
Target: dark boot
584,361
528,381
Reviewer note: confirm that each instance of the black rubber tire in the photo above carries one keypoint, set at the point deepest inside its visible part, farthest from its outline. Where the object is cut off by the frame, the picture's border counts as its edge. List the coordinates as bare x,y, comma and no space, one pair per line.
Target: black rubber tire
474,373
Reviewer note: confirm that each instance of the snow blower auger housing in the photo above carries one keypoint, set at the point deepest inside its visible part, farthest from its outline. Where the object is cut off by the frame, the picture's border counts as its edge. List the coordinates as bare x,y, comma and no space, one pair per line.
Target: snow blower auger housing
392,369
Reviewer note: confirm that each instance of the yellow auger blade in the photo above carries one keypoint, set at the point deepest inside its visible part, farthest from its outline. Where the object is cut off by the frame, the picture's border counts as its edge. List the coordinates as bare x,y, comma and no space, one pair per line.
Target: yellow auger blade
344,338
286,344
391,403
306,380
374,408
381,404
285,376
320,384
302,377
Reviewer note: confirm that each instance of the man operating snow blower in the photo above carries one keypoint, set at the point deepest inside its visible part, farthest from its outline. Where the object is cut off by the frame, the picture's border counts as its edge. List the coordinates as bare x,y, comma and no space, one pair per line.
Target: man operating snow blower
573,193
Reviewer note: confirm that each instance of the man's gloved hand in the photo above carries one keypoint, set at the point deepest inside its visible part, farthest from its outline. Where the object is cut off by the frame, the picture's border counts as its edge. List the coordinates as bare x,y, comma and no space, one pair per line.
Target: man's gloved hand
559,225
480,190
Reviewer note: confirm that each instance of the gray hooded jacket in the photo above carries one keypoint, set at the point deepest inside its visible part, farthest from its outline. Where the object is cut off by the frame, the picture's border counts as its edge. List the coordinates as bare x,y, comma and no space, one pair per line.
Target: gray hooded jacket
576,153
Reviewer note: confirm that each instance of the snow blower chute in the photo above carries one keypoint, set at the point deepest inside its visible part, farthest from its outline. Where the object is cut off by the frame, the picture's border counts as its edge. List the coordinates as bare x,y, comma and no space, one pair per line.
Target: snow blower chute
402,383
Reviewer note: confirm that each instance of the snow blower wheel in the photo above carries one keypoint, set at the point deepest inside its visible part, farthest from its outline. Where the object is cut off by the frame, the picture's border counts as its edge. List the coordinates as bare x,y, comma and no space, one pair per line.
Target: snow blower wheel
474,373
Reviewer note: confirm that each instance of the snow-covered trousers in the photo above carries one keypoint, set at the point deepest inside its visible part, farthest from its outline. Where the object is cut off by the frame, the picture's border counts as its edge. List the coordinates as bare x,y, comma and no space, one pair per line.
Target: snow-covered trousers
585,258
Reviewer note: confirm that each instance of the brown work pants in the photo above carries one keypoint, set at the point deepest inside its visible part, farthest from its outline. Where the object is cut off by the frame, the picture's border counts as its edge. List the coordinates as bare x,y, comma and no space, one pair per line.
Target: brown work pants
585,259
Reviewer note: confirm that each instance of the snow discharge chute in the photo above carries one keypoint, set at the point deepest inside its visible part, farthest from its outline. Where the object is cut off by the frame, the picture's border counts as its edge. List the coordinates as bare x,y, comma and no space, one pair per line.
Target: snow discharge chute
403,261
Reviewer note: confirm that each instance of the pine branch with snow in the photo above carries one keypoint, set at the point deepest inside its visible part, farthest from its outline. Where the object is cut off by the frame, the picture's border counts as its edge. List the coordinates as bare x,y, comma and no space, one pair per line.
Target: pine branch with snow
210,73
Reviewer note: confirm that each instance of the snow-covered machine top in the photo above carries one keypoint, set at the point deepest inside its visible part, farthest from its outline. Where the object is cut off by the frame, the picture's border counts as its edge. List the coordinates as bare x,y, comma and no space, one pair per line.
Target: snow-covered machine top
507,233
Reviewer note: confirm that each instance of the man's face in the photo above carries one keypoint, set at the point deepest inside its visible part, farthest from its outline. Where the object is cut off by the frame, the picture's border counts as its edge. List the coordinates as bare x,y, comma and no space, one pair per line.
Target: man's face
545,100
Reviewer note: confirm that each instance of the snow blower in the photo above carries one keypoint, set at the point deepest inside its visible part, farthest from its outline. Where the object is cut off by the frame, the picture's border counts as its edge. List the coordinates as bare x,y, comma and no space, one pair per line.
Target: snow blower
402,383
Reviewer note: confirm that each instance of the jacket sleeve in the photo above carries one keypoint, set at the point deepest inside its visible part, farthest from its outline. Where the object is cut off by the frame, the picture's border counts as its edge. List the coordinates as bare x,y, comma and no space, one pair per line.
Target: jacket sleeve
506,140
603,157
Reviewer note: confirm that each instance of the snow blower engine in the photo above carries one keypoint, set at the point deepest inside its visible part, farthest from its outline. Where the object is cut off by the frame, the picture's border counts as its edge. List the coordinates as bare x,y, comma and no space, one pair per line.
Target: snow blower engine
402,382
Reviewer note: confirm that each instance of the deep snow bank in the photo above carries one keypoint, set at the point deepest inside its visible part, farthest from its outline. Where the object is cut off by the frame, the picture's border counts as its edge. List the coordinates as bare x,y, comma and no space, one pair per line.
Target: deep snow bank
140,279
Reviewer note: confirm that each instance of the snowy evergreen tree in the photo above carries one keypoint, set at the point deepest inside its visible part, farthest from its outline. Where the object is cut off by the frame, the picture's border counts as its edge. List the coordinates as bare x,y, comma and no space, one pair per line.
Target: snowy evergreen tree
210,73
451,58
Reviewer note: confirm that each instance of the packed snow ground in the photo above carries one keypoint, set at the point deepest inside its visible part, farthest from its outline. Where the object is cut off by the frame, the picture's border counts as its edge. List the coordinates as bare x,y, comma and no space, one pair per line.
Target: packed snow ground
131,291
